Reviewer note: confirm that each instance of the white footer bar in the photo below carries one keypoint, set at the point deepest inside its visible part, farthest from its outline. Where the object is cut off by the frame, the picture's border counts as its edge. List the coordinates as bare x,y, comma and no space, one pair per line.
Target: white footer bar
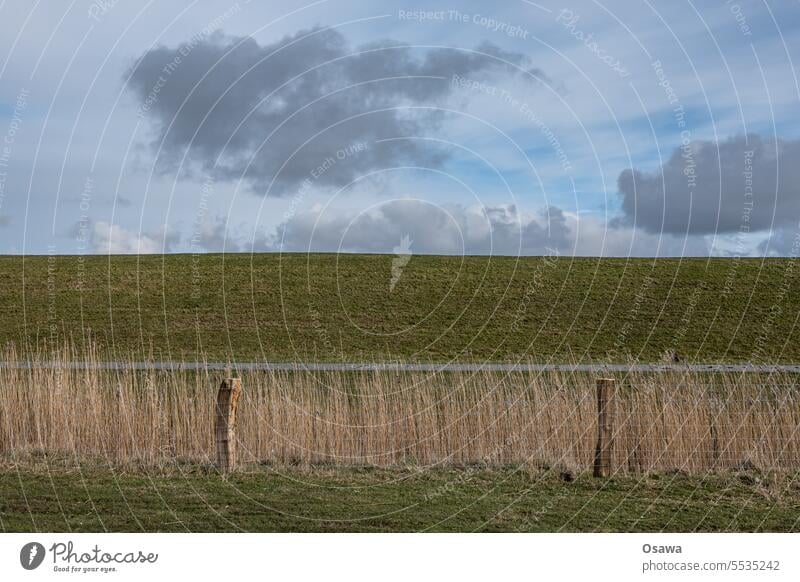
406,557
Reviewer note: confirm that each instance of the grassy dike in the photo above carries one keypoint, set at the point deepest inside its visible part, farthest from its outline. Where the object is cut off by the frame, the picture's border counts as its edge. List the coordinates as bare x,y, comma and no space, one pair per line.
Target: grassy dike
52,498
340,308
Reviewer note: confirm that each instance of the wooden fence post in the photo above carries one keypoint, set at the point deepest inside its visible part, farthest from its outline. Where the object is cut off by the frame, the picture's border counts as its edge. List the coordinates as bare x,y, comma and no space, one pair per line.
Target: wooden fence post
605,427
225,427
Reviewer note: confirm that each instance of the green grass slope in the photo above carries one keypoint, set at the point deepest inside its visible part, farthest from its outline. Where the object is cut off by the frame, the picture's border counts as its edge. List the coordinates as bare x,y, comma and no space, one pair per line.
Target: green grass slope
341,307
459,500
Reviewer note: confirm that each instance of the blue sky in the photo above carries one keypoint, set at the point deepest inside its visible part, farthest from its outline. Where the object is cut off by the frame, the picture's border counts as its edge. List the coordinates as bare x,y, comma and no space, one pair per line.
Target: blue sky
588,128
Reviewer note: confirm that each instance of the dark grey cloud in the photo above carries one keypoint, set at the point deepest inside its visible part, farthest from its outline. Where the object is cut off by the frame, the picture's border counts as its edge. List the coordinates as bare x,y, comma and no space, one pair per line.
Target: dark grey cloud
430,228
309,87
745,183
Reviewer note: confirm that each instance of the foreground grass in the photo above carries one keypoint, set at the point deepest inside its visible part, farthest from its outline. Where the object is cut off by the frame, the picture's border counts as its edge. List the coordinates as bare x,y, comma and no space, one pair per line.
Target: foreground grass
371,500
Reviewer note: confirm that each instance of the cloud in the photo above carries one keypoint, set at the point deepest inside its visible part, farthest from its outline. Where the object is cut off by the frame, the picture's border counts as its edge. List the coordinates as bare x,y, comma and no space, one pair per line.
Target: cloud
784,242
432,229
294,109
746,183
5,220
214,236
456,229
470,230
113,239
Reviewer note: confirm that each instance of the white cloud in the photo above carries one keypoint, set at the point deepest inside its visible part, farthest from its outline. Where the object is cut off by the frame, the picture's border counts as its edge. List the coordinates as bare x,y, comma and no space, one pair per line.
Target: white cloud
455,229
116,240
433,228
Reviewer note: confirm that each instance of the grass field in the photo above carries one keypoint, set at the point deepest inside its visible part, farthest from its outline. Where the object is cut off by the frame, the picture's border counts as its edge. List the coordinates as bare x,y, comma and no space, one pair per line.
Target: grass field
340,308
95,450
52,497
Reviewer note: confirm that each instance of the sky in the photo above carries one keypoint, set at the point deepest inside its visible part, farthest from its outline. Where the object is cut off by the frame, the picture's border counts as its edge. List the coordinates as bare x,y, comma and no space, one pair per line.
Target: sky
517,128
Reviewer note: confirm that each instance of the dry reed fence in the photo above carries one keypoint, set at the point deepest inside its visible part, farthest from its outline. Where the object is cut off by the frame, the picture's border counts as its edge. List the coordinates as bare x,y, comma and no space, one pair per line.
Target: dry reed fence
687,421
